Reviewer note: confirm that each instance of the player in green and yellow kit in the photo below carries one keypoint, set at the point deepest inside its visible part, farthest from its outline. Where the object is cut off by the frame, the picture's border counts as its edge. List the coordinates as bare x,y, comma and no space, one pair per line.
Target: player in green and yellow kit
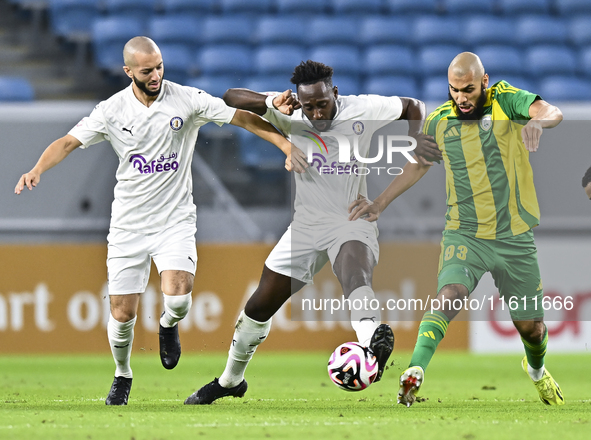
484,135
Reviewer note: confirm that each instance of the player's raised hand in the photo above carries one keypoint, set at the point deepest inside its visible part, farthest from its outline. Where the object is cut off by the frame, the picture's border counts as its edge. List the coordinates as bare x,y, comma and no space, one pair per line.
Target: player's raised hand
30,180
296,160
427,150
364,207
286,102
530,134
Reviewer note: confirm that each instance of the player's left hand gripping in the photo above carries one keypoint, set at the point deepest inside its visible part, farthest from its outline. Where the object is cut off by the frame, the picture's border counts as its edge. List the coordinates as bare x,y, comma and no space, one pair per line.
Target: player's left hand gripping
286,102
296,160
29,180
530,134
364,207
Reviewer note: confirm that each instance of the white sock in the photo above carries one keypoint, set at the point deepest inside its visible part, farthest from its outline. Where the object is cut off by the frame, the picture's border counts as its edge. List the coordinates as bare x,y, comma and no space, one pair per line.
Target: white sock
535,373
121,340
364,320
247,336
176,308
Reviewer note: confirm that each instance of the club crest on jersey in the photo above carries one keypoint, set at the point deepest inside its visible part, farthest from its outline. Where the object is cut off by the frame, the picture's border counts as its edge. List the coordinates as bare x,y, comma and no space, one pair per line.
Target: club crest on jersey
486,122
358,127
176,123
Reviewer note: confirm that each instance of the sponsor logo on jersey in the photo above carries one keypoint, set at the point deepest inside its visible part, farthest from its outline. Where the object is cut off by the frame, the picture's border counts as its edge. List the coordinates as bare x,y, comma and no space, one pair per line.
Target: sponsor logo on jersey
176,123
321,164
161,165
358,127
317,140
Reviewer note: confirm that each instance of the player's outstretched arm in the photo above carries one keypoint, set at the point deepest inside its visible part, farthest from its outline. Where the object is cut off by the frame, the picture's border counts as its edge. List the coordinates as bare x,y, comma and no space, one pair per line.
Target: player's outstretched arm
411,174
54,154
255,102
296,159
426,150
543,115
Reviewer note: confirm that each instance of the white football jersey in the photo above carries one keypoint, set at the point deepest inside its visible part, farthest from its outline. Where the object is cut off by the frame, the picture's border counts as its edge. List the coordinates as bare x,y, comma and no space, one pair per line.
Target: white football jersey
325,190
155,148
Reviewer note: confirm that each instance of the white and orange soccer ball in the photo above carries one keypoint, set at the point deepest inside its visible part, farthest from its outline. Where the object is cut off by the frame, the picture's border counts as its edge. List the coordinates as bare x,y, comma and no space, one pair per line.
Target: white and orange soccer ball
352,367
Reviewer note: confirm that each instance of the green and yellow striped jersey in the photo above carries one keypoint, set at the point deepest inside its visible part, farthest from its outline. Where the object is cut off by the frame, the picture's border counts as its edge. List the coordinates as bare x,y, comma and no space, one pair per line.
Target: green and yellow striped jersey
489,180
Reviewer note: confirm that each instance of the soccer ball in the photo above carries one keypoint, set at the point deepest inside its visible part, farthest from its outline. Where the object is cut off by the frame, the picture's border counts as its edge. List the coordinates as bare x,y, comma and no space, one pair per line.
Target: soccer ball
352,367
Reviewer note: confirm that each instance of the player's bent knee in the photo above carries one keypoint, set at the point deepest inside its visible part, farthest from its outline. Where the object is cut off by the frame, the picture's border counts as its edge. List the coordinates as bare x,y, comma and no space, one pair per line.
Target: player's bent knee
178,306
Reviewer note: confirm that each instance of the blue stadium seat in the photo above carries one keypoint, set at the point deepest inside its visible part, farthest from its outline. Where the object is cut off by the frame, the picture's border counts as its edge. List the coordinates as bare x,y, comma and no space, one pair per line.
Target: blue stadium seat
258,153
197,8
139,9
517,81
278,29
73,18
499,59
468,7
179,62
176,29
356,8
343,59
347,85
302,7
580,30
227,29
572,7
435,60
397,7
332,30
109,35
565,88
215,85
271,83
541,29
435,89
511,7
389,59
278,59
482,29
382,30
231,59
250,7
585,62
15,89
551,60
391,85
436,30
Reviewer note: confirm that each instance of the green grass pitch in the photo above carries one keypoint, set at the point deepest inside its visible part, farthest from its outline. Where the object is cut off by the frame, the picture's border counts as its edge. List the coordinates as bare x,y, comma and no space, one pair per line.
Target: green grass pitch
290,396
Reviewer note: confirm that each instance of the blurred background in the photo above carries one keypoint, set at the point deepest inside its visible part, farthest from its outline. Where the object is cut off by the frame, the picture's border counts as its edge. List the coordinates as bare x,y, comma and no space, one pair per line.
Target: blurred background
58,58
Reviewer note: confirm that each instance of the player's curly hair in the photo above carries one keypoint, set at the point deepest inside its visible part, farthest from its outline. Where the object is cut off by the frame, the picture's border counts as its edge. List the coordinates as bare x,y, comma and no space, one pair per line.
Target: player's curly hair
310,72
587,177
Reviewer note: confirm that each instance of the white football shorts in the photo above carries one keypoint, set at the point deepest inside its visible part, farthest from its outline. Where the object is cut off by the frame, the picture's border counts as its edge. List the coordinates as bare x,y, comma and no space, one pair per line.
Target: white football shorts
129,255
303,250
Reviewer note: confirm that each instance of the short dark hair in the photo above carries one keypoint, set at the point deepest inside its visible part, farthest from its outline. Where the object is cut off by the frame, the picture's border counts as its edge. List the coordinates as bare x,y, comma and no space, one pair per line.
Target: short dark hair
310,72
587,177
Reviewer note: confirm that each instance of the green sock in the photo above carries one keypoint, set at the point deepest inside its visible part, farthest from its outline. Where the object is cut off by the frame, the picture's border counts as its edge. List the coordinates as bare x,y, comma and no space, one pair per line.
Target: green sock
431,332
536,353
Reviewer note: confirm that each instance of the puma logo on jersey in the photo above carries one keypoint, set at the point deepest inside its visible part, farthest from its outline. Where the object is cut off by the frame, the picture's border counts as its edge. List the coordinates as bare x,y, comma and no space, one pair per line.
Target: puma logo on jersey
128,129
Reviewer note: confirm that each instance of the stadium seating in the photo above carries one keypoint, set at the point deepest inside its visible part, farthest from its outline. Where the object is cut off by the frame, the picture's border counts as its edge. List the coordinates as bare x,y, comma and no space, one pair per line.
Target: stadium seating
343,59
271,83
389,59
519,82
139,9
229,59
468,6
433,29
197,8
511,7
434,60
435,88
541,29
332,30
347,85
73,19
176,29
278,59
250,7
565,88
580,30
382,30
550,60
499,59
258,153
356,8
571,7
109,35
302,7
486,29
215,85
227,29
585,62
398,7
178,62
15,89
279,29
391,86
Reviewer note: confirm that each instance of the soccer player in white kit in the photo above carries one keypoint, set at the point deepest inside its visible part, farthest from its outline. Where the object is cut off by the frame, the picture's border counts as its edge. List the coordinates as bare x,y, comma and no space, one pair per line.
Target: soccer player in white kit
320,230
152,125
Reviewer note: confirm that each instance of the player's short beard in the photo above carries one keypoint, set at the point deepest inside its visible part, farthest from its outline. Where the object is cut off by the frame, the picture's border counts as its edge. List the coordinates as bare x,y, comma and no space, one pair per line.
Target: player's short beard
475,114
142,86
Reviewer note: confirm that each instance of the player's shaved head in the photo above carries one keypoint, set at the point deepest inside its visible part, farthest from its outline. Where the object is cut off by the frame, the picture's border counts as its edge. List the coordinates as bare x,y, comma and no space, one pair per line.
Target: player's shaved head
465,63
136,45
